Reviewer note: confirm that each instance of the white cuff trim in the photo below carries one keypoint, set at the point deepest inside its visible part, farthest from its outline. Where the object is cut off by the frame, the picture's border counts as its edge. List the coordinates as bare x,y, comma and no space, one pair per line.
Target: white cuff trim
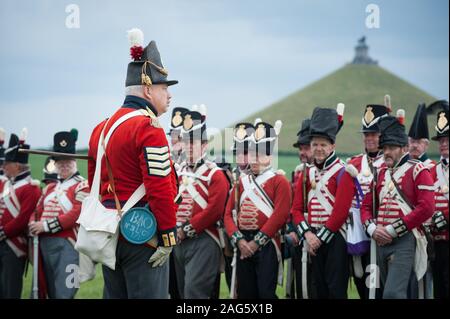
371,229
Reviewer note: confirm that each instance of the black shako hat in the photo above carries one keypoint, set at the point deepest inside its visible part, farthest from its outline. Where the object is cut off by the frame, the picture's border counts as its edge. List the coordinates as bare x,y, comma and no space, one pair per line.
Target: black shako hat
146,67
49,171
242,137
2,148
265,137
392,130
327,122
373,113
15,143
64,142
441,108
194,124
303,137
176,122
419,125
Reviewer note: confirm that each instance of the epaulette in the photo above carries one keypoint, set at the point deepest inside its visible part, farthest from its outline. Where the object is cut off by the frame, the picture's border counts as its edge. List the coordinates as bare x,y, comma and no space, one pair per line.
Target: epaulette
299,167
210,164
351,169
82,185
35,182
418,167
79,178
353,157
280,172
154,121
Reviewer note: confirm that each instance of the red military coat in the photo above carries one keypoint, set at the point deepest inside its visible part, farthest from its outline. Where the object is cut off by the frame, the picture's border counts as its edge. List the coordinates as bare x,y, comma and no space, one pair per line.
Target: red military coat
17,203
415,181
138,152
333,213
204,194
439,174
250,217
60,206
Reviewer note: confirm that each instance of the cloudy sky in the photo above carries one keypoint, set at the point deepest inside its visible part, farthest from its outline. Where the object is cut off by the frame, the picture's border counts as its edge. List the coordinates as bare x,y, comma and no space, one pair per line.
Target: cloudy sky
234,56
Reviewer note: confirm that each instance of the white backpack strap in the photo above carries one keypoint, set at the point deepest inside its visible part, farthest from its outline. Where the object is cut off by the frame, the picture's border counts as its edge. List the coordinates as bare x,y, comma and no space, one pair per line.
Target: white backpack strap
95,190
321,185
442,179
249,190
134,198
196,196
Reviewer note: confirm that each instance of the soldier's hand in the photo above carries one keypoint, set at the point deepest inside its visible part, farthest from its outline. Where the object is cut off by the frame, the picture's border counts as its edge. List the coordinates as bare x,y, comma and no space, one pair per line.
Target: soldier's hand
36,228
381,236
294,238
180,234
253,246
245,249
313,242
160,256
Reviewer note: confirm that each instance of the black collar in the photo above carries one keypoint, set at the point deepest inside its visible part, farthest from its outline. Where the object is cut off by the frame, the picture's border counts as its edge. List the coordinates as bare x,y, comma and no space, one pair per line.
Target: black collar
403,160
423,157
374,155
328,162
196,165
136,102
444,161
72,176
21,176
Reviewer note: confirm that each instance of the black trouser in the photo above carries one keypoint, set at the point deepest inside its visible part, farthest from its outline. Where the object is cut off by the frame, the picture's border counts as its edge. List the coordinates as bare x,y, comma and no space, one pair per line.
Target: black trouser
173,287
257,275
11,273
330,269
296,255
360,283
440,269
228,270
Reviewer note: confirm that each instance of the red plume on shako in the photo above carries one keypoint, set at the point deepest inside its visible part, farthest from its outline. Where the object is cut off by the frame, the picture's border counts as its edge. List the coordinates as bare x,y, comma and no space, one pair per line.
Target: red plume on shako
136,39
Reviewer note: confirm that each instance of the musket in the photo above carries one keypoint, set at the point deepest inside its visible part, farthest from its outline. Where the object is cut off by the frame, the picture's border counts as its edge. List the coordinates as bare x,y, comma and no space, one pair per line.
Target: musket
290,275
49,153
235,211
373,244
305,294
35,289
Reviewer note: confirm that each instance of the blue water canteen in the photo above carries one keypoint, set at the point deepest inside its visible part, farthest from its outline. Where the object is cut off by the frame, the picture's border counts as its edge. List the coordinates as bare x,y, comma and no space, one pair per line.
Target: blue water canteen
138,225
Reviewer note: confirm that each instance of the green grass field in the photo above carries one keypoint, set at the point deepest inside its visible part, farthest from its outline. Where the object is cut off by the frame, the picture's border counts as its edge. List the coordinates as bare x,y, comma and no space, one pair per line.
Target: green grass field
94,288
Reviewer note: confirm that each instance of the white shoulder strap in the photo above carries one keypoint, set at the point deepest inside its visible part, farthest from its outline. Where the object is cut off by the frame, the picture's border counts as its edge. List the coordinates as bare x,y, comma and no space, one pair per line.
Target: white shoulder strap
95,190
442,178
251,191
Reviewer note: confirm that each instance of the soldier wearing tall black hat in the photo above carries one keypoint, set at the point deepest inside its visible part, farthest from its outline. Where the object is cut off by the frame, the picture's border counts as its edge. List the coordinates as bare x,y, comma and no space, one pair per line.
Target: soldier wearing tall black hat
418,143
404,201
363,167
301,261
2,156
321,208
175,128
203,191
256,212
440,233
50,172
55,219
18,201
178,156
419,137
242,135
137,152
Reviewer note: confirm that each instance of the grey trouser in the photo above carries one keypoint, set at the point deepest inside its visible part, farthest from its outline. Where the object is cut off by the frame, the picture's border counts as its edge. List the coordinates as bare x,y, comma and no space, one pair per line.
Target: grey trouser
11,272
396,262
197,263
59,258
134,277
